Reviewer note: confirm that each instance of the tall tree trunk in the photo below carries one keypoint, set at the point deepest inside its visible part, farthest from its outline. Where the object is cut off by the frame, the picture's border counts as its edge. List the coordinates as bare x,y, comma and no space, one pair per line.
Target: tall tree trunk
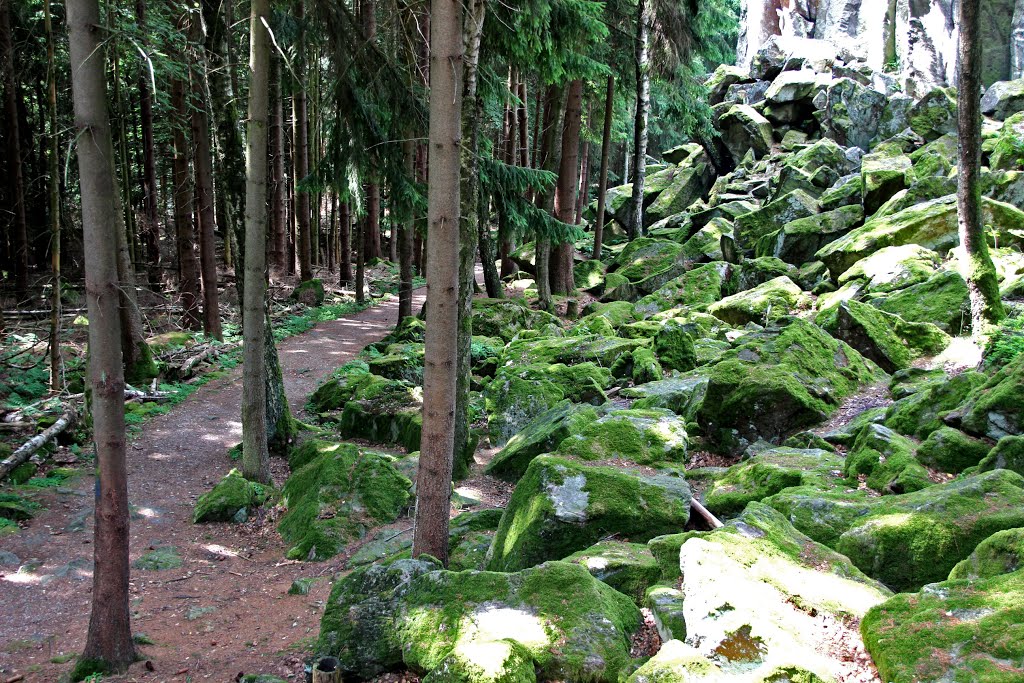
547,159
204,186
582,194
255,454
405,239
505,243
109,646
371,230
302,207
53,194
361,230
121,116
188,267
14,157
151,230
332,233
565,191
602,183
433,483
643,105
345,251
982,284
279,208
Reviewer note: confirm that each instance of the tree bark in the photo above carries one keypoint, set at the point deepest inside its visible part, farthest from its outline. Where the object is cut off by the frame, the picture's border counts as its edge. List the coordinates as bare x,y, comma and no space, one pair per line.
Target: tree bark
371,230
255,454
433,487
361,230
204,186
982,283
302,206
14,156
345,251
602,183
582,193
565,191
406,241
109,645
53,195
332,233
188,267
547,159
643,105
151,230
279,207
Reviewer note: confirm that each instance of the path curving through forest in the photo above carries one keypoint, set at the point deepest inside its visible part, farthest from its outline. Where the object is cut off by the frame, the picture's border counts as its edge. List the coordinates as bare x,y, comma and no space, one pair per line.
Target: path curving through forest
225,609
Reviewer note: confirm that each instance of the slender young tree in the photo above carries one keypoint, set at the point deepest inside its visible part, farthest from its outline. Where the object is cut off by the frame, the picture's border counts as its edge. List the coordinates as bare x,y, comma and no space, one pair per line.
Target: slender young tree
433,483
53,194
188,265
982,284
406,241
14,156
279,207
109,646
565,190
643,107
151,230
345,247
255,454
302,204
602,183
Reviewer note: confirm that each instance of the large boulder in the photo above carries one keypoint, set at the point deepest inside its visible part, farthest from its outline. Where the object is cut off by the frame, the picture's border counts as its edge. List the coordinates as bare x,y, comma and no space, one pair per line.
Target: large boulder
799,240
795,86
852,113
941,300
926,410
814,168
886,460
908,540
505,318
478,626
232,499
745,130
385,411
561,506
934,115
996,409
1007,454
629,568
893,268
719,82
690,182
752,226
695,289
336,497
883,173
650,437
647,263
1003,99
768,301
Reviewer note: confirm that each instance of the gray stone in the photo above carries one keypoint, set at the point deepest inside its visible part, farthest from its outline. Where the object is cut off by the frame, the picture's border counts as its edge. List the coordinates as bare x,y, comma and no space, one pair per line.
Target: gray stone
852,113
1003,98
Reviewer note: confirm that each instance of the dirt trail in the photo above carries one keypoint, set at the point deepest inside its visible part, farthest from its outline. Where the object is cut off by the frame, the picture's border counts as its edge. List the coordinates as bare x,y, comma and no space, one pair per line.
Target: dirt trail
226,609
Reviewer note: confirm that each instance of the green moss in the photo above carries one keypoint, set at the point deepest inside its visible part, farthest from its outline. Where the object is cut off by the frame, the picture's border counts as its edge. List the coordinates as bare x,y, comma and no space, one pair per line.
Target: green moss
682,395
646,367
540,435
768,473
1001,553
921,413
950,450
505,318
91,668
995,410
1007,454
752,226
644,257
160,558
335,498
310,293
400,361
144,369
231,500
340,388
908,540
560,506
696,289
882,337
8,527
673,345
645,437
888,459
383,411
629,568
768,301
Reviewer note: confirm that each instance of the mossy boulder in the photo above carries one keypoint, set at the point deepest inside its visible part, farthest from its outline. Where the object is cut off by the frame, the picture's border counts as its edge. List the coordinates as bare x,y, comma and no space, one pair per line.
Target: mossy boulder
310,293
745,131
908,540
956,630
882,337
883,174
616,313
543,434
335,498
887,460
645,437
682,395
757,271
588,274
768,301
922,412
674,347
799,240
706,243
462,625
893,268
934,115
777,382
400,361
583,348
384,411
1001,553
341,387
847,191
770,472
646,367
950,450
943,300
751,227
648,263
232,499
996,409
749,592
696,289
629,568
1007,454
561,506
505,318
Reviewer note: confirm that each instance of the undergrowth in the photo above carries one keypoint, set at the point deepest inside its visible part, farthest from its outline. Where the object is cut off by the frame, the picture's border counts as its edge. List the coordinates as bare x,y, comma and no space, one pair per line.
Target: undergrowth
1006,343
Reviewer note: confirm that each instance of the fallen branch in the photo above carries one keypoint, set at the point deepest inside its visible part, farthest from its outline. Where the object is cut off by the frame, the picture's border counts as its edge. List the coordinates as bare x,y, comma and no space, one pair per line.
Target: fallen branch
185,370
19,456
705,514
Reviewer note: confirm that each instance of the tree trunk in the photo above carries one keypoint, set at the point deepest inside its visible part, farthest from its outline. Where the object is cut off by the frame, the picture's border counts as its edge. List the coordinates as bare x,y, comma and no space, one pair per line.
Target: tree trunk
345,252
204,187
109,645
53,194
602,183
255,455
361,229
565,191
279,208
151,230
405,240
302,207
982,284
188,267
582,193
433,483
14,163
505,241
547,159
371,229
643,106
332,233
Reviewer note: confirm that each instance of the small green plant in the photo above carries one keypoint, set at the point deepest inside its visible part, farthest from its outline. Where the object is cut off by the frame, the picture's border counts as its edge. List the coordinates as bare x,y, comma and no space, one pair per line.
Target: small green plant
1006,343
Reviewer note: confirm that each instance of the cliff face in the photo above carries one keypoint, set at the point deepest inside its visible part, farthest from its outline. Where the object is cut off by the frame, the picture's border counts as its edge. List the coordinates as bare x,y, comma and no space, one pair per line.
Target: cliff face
915,39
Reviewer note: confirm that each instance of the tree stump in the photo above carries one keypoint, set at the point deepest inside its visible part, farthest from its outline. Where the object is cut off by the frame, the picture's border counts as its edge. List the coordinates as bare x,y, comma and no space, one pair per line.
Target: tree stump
327,670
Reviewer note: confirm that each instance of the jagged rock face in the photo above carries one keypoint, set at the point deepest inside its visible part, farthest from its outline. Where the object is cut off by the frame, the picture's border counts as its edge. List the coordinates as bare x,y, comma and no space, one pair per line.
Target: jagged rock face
917,38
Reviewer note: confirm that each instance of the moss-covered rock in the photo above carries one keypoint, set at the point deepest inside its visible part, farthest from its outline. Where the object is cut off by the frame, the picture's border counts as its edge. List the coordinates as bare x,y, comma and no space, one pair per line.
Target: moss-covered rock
996,409
770,472
757,271
943,301
629,568
887,459
957,630
950,450
649,263
893,268
799,240
908,540
616,313
561,506
846,191
646,367
444,623
505,318
745,131
310,293
335,498
540,435
384,411
706,243
922,412
160,558
682,395
751,227
690,180
673,345
882,337
588,274
542,350
1007,454
934,115
340,388
883,174
696,289
232,499
1001,553
645,437
400,361
769,301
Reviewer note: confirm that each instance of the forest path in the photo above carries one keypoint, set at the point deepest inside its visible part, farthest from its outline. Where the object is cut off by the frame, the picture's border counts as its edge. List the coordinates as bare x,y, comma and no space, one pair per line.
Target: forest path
225,609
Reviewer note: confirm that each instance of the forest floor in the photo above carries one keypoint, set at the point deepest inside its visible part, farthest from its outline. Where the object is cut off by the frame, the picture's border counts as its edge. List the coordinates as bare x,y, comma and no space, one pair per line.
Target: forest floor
225,609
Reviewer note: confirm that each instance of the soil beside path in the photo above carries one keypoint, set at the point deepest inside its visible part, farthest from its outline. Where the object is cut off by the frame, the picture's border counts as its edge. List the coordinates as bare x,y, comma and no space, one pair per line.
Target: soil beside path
225,610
